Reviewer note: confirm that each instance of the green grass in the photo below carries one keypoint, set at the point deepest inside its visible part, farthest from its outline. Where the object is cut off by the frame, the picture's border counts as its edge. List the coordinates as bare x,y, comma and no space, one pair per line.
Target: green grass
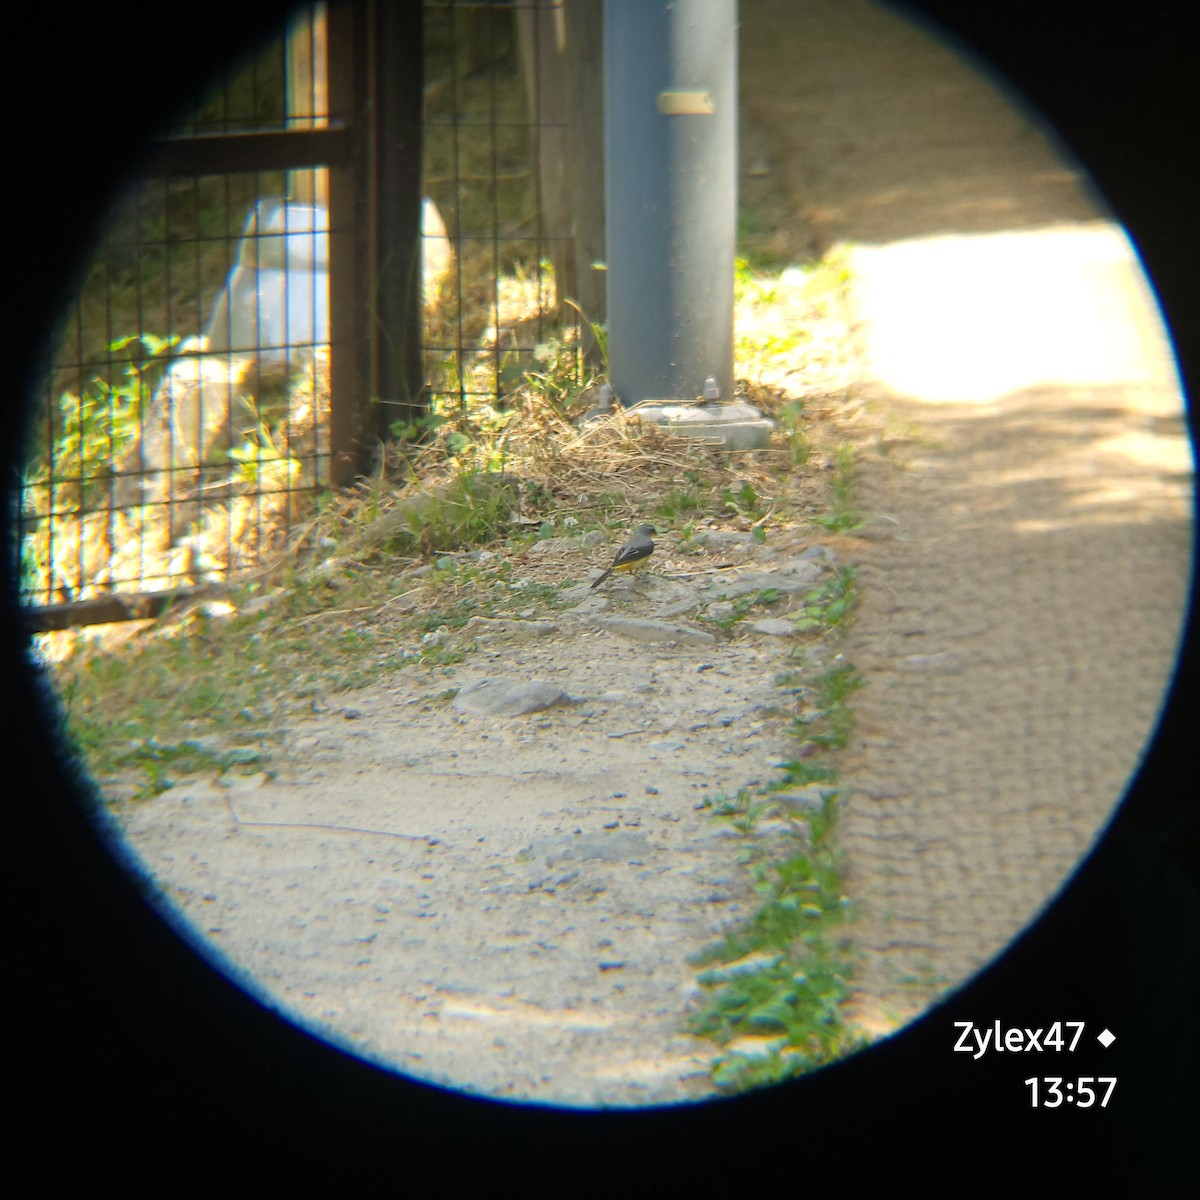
232,681
163,762
472,510
791,963
791,988
743,501
843,517
826,606
791,423
681,502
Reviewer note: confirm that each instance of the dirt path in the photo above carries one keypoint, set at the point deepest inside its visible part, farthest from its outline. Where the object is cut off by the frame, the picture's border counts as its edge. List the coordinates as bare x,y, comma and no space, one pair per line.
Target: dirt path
1023,578
1026,574
1021,614
501,903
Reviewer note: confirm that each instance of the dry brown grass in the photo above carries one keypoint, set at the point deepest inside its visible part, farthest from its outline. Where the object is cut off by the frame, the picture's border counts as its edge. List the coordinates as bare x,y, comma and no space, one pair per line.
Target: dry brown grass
508,468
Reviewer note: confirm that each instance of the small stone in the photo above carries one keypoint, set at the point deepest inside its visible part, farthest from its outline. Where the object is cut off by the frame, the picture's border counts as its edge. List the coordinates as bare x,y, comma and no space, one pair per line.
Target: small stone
723,540
649,630
667,747
494,697
751,1046
512,627
792,576
773,626
808,799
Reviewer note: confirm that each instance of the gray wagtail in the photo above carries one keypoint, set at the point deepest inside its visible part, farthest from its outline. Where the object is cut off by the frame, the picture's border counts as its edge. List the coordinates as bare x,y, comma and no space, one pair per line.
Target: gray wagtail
633,554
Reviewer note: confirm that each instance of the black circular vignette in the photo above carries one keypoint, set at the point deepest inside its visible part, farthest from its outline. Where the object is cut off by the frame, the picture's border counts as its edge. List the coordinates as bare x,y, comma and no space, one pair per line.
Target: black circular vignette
133,1059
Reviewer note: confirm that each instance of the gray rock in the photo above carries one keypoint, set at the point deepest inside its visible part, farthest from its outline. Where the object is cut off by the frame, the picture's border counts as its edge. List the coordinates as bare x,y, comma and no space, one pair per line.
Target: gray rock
501,698
807,799
669,597
790,577
723,540
509,625
773,626
668,747
617,846
650,630
750,964
785,828
677,608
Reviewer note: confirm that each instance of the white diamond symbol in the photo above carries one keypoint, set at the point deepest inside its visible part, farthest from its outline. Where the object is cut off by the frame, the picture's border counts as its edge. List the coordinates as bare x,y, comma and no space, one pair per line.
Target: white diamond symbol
1106,1039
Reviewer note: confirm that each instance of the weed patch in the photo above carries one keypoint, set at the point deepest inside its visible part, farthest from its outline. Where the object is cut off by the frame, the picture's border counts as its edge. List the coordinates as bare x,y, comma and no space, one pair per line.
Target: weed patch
784,972
843,517
826,606
776,983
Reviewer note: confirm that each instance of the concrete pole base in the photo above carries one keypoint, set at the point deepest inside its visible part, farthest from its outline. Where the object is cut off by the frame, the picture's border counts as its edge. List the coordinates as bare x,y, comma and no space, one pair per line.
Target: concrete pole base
733,424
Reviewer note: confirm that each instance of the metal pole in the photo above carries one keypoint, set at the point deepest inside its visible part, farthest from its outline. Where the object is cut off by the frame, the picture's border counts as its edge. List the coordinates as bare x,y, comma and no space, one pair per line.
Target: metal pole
670,119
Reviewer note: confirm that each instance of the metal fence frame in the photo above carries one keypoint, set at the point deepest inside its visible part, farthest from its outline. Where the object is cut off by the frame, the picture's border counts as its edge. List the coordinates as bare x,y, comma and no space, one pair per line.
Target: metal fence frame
368,149
369,142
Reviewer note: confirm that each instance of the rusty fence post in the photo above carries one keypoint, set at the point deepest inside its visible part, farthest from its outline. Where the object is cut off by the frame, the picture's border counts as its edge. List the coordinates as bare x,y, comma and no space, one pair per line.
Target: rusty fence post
376,86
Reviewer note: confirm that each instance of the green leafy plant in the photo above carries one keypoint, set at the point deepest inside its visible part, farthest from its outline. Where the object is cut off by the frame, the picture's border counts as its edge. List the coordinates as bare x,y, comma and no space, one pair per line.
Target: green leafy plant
799,445
163,762
96,427
780,977
260,464
741,811
744,501
558,381
744,605
472,509
784,972
417,429
599,332
827,605
679,501
844,517
71,475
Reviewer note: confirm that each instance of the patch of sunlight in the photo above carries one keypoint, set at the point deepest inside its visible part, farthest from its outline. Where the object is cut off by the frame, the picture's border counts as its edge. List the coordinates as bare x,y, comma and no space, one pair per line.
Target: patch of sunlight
973,317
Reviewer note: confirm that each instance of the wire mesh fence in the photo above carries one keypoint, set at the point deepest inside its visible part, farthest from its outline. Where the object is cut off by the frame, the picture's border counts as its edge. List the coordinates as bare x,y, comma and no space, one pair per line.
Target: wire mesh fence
182,412
184,430
493,293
